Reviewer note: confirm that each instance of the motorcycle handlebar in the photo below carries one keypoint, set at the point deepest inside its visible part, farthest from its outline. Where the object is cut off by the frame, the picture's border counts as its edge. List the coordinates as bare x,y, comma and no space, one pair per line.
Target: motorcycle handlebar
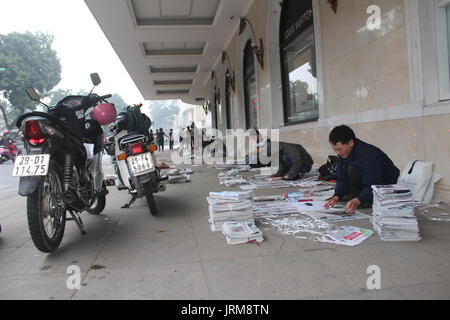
93,99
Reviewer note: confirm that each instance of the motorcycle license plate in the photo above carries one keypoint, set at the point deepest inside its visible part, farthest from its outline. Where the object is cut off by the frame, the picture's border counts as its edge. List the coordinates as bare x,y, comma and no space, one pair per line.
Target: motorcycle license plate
31,165
140,163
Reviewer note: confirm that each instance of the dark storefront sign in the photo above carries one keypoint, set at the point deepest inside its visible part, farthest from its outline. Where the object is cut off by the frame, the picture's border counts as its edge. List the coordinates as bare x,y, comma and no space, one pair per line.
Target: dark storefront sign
297,16
298,62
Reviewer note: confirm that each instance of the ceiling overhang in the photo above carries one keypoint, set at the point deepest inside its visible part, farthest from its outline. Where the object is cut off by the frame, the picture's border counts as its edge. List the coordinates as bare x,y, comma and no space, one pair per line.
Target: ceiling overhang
169,47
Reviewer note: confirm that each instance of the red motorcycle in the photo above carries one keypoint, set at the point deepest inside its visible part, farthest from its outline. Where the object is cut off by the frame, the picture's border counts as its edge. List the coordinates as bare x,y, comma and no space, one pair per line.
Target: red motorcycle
7,153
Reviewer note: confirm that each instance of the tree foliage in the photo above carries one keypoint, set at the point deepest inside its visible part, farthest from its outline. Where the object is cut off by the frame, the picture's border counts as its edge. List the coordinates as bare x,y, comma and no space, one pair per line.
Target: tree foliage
57,95
29,61
163,113
118,102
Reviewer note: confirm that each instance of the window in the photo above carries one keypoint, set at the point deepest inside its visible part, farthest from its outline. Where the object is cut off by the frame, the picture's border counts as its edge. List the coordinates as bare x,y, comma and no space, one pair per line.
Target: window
251,107
228,100
298,61
443,44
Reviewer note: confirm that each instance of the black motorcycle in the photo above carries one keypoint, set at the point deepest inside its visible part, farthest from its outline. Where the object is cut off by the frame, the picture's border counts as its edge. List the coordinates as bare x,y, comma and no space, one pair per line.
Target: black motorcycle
57,173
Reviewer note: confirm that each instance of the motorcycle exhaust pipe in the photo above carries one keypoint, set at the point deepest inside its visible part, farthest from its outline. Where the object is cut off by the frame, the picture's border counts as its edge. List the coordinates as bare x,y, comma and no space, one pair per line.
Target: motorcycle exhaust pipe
71,199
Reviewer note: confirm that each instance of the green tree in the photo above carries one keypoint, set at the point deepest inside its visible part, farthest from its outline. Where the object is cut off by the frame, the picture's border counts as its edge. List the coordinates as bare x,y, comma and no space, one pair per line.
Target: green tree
118,102
28,60
57,95
5,107
116,99
163,113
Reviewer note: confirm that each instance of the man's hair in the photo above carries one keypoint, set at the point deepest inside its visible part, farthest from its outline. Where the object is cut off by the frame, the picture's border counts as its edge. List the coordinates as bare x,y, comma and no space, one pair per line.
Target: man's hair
342,134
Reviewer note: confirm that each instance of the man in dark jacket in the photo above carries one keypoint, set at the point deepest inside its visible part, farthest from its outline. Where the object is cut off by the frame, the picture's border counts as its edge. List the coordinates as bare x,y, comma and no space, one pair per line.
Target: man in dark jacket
160,139
295,161
360,165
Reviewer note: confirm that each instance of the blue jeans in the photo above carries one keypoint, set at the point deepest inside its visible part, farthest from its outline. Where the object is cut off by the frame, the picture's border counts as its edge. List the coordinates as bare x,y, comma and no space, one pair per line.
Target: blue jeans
305,168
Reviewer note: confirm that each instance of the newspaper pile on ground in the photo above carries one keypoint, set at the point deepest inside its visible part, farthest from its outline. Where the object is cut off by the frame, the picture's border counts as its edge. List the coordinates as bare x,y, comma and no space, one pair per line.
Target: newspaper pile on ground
177,175
229,206
240,167
305,227
393,213
242,232
301,214
312,202
346,235
231,178
316,209
264,182
267,198
313,188
307,219
297,225
266,209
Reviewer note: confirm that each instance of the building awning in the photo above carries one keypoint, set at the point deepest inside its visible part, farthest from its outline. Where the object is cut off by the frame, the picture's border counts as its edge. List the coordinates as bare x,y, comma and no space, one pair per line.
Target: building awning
170,47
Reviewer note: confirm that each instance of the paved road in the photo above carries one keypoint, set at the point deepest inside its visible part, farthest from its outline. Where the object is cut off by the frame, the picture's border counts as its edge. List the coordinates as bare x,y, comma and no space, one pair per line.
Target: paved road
8,183
129,254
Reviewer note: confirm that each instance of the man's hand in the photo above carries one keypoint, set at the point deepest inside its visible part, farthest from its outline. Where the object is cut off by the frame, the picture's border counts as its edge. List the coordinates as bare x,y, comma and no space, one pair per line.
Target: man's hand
352,205
331,203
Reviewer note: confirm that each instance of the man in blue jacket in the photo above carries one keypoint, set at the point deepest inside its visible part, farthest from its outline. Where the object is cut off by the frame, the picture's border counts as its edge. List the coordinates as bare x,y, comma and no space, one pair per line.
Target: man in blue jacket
360,166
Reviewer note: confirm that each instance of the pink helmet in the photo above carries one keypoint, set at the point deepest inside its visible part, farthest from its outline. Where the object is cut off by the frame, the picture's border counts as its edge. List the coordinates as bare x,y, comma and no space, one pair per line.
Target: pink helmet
5,132
104,113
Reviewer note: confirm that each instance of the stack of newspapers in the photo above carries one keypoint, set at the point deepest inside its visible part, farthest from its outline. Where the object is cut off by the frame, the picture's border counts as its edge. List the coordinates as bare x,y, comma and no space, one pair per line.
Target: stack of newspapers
393,213
241,232
230,206
231,178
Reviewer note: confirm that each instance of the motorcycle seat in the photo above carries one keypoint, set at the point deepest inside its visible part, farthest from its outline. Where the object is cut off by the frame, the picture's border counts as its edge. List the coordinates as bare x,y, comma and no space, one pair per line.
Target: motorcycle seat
131,137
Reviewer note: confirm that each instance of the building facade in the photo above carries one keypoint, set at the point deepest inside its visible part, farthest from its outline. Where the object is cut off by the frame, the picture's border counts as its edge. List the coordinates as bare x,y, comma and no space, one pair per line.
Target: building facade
379,66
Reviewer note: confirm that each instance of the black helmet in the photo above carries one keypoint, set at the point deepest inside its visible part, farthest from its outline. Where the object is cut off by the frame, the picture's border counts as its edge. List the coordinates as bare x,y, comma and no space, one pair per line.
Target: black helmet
121,121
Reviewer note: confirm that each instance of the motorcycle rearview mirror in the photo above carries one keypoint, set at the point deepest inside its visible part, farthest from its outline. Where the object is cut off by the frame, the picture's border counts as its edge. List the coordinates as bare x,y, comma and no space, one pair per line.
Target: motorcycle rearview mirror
33,94
95,79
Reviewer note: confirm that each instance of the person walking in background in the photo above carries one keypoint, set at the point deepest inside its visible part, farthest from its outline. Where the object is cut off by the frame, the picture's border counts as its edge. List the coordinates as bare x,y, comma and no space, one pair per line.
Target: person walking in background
181,138
187,140
194,136
160,138
152,135
171,141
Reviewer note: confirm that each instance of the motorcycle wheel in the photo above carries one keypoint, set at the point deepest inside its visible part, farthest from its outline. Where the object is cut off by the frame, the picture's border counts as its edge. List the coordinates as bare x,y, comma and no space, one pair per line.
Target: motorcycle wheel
98,206
150,199
46,212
